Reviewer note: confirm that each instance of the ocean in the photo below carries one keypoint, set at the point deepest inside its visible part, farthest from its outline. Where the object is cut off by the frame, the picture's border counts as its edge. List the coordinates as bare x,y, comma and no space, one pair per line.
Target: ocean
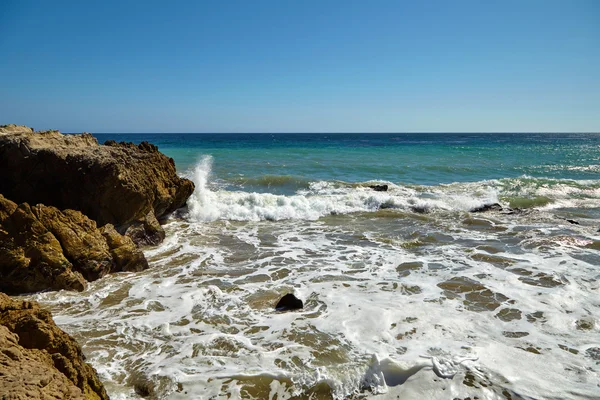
407,293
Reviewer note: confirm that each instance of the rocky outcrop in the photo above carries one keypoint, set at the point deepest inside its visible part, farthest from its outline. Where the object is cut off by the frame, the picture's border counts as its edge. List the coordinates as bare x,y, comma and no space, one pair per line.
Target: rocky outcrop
12,128
129,186
40,361
44,248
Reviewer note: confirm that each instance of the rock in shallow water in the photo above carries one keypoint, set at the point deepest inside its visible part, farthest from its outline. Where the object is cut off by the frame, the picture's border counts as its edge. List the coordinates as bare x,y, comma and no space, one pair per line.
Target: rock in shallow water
487,207
289,302
379,188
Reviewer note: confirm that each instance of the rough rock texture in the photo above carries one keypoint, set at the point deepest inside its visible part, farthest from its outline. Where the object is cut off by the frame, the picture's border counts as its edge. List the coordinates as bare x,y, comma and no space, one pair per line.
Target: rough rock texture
29,374
129,186
44,248
12,128
40,361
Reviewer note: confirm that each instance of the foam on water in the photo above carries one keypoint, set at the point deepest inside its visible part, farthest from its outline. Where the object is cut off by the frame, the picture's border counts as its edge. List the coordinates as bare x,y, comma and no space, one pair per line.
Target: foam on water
501,305
187,325
324,198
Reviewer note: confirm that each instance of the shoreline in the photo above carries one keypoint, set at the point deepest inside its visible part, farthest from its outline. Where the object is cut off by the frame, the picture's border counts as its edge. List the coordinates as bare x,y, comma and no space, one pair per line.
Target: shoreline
49,248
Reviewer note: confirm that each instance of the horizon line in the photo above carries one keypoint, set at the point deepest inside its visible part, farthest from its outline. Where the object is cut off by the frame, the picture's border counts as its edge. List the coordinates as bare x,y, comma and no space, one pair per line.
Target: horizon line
335,133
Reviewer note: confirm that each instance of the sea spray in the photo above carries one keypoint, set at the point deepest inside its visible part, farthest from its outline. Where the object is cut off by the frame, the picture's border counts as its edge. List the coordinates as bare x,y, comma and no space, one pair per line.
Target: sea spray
322,199
203,202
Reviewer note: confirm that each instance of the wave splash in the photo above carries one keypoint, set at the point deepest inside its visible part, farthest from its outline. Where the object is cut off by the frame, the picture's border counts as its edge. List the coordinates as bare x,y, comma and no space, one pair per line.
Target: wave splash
320,199
203,202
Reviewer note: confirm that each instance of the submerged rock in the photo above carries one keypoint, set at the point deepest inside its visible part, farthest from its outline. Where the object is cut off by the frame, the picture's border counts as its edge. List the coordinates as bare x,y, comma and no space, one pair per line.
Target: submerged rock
40,361
129,186
289,302
513,211
387,205
593,353
142,386
44,248
569,220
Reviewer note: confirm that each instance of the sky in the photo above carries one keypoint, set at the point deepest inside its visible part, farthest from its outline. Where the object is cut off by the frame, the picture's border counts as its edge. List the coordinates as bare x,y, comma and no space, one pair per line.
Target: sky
301,66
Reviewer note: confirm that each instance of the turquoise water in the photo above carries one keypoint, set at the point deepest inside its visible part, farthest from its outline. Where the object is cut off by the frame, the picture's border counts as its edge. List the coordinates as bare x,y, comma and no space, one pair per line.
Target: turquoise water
423,159
408,293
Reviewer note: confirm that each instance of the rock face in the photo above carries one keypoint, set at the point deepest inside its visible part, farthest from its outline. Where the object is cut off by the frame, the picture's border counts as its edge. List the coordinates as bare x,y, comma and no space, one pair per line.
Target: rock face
44,248
129,186
40,361
12,128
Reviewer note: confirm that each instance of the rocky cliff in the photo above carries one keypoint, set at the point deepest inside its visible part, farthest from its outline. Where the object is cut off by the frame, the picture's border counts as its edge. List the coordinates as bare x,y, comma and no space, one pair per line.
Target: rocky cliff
40,361
124,189
44,248
12,128
128,186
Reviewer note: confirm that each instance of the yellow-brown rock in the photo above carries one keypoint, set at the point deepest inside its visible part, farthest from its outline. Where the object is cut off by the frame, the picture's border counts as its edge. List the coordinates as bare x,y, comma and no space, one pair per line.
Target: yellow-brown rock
129,186
31,258
12,128
40,361
44,248
125,253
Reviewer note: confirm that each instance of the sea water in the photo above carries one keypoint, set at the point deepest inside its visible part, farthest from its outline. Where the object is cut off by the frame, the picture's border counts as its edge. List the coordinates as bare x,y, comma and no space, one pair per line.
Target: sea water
407,293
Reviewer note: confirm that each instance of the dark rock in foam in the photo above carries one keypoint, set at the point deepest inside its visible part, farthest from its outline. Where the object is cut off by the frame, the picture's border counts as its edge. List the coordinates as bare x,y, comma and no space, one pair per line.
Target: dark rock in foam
593,353
379,188
487,207
289,302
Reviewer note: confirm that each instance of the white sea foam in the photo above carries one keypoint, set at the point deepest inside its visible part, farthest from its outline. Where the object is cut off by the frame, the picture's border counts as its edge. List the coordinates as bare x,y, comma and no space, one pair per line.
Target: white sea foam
322,199
200,323
204,203
210,203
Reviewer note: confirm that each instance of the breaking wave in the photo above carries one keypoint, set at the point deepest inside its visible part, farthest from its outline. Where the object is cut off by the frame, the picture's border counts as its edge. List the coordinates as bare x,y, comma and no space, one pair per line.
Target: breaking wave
323,198
270,182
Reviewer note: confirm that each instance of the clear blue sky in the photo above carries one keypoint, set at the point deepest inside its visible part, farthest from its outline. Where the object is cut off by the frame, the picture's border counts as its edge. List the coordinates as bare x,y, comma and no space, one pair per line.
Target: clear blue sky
301,66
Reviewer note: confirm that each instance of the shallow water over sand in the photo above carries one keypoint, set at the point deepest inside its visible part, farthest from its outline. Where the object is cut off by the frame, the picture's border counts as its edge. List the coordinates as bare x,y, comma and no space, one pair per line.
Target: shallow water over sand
517,296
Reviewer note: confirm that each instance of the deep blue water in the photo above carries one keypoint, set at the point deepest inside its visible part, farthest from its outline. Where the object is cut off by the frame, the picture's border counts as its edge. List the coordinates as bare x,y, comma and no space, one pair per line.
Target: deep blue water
404,158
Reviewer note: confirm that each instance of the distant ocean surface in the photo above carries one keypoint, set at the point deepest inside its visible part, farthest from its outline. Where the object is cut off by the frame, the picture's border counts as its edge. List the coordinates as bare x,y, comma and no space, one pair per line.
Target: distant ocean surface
422,159
408,293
